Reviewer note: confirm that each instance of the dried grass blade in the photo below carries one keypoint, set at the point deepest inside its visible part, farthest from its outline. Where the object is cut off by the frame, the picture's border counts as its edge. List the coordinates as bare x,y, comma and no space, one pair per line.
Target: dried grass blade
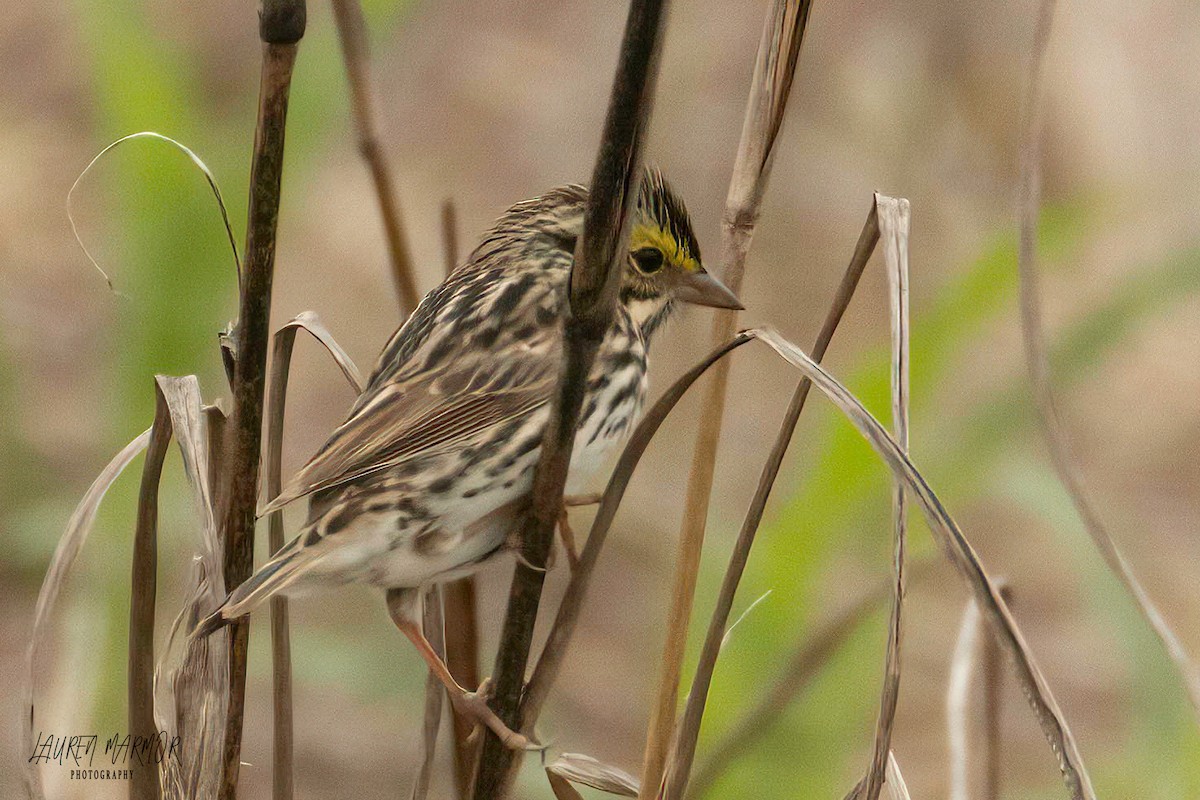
191,687
770,86
73,538
960,553
450,234
1038,366
200,165
587,771
894,228
895,781
435,631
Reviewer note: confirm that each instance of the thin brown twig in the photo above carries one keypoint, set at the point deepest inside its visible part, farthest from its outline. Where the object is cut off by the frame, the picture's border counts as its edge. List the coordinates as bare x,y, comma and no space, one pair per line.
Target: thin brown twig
458,597
688,731
779,49
592,302
352,31
281,26
1038,365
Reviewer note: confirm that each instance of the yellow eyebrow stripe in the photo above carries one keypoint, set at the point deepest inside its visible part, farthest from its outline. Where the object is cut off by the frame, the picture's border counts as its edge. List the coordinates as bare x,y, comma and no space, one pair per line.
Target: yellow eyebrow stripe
653,236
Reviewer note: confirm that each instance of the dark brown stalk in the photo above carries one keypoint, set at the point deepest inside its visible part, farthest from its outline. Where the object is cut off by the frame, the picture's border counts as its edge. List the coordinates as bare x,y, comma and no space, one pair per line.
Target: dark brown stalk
1038,365
281,26
774,70
144,783
688,731
352,30
593,295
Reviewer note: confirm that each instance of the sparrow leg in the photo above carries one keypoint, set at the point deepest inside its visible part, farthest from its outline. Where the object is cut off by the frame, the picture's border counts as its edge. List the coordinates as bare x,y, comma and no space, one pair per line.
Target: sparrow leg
568,537
402,605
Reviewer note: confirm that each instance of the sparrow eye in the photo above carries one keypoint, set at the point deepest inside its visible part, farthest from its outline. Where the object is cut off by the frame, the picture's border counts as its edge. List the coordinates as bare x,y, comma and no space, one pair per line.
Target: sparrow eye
648,260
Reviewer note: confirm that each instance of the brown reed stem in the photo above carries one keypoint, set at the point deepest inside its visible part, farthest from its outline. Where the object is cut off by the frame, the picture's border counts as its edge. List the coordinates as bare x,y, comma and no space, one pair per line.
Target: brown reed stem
281,26
593,295
352,31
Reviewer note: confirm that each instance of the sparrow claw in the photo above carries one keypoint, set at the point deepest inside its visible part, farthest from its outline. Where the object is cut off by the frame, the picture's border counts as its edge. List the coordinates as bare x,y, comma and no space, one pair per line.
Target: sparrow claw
475,705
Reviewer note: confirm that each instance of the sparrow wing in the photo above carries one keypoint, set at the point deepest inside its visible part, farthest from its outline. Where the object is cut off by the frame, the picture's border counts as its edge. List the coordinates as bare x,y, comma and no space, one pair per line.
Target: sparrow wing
449,392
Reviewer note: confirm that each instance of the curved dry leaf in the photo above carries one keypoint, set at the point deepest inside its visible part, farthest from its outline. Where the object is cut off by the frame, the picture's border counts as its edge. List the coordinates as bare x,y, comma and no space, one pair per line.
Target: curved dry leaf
311,322
894,780
195,159
960,553
587,771
73,538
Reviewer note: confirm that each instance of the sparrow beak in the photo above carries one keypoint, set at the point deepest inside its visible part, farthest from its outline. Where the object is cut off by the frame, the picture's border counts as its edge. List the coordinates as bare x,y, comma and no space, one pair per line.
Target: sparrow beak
702,289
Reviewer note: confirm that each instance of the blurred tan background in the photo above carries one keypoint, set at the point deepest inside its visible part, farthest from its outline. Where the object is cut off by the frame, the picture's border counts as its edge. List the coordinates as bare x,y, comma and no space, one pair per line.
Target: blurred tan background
490,103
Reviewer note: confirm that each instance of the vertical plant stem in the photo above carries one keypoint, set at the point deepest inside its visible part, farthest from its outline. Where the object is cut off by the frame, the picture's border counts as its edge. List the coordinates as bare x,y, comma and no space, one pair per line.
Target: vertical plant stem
688,730
458,597
144,582
352,31
281,26
593,295
779,49
893,216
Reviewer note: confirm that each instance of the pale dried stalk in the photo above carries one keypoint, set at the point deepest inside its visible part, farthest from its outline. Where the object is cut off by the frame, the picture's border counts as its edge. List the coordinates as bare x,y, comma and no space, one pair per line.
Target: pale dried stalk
958,694
683,742
774,70
1038,365
352,31
894,227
